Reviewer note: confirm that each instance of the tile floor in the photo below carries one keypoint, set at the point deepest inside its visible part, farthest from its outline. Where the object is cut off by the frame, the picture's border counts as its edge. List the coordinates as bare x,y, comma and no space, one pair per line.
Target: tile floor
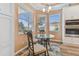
54,50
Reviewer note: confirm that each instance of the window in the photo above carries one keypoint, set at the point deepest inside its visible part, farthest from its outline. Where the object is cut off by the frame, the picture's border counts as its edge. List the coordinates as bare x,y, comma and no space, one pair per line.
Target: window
25,20
41,23
54,22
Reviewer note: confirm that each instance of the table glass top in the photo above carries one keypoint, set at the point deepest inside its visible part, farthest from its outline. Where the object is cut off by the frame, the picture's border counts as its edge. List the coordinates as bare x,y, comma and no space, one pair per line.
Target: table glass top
43,36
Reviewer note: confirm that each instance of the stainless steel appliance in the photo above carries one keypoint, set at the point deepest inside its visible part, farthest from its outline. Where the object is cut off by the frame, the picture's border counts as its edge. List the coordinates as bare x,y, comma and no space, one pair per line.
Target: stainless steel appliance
72,27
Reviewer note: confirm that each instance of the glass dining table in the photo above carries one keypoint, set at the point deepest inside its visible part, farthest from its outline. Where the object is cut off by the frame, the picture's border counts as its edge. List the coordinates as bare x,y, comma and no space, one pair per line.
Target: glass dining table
44,38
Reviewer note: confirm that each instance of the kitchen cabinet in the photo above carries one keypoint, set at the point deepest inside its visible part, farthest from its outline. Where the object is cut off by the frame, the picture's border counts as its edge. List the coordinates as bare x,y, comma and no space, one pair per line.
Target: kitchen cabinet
5,35
71,12
6,9
6,29
67,40
75,40
72,40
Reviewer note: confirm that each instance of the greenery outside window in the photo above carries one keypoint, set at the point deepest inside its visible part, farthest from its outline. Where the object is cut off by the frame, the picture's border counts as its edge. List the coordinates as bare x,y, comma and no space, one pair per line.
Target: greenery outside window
25,21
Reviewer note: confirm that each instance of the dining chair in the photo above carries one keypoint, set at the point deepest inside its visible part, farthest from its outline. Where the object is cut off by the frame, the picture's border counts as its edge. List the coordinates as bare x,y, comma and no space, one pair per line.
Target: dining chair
35,49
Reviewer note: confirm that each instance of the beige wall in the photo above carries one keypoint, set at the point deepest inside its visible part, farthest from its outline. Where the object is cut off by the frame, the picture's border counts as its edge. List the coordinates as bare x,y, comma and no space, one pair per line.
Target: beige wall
20,39
20,42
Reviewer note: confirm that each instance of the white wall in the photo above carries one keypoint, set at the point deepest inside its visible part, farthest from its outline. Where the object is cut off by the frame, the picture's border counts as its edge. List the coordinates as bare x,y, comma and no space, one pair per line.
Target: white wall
6,29
69,13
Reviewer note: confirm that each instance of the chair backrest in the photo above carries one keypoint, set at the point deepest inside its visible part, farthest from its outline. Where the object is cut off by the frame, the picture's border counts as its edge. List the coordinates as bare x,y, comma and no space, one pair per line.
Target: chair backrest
30,42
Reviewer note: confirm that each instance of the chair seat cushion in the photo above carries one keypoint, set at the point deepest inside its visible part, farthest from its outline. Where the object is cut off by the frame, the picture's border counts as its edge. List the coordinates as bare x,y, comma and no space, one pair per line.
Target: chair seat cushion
39,48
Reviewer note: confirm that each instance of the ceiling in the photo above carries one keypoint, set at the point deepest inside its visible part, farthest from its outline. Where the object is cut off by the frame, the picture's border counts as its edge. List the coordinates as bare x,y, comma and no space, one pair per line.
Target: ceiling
40,6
